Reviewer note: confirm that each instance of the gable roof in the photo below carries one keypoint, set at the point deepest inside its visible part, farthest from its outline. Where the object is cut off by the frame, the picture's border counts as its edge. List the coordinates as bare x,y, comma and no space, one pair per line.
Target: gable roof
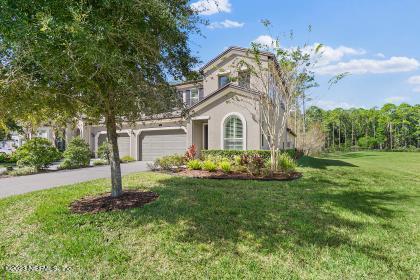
228,50
220,90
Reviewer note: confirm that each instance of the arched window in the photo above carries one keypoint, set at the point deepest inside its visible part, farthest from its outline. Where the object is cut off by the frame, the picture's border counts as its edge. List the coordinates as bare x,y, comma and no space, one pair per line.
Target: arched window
233,133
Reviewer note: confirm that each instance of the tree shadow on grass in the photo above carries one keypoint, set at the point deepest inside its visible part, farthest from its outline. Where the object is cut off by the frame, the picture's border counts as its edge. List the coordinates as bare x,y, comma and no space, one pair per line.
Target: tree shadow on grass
322,163
269,216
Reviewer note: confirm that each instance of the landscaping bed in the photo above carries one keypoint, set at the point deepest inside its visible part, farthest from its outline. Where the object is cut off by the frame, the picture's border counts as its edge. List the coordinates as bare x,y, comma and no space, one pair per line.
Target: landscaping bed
280,176
105,202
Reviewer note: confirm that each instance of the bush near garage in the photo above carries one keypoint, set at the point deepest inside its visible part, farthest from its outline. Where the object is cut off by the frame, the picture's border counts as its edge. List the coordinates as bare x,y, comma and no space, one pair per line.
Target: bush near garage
38,153
77,154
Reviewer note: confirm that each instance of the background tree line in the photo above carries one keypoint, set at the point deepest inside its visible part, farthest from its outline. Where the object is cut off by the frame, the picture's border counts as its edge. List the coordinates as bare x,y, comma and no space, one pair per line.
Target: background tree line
388,128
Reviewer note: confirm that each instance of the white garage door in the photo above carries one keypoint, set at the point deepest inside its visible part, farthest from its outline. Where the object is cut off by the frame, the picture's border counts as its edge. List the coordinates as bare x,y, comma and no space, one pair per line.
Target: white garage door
123,143
154,144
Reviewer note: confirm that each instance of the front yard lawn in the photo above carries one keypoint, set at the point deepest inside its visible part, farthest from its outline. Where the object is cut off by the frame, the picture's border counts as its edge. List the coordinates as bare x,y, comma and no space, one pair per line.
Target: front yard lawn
350,216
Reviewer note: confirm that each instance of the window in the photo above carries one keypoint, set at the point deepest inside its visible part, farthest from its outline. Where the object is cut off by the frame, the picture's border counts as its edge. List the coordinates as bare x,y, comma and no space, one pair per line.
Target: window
194,96
233,137
223,80
244,79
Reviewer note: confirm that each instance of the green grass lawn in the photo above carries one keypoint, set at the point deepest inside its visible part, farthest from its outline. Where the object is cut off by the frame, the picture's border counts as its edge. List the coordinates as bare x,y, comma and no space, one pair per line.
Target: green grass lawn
354,215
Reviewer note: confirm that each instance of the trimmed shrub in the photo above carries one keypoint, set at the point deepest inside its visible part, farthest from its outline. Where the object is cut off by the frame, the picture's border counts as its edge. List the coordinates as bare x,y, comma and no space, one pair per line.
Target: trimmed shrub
98,162
77,154
210,166
170,162
286,163
194,164
38,153
225,166
126,159
231,154
104,151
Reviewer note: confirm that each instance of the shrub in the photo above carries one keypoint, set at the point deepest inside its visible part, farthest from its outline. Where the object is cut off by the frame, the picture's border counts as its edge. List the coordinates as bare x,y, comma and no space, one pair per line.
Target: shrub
104,151
170,162
77,154
286,163
4,157
21,171
38,153
191,152
194,164
99,162
231,154
225,166
216,158
126,159
210,166
255,164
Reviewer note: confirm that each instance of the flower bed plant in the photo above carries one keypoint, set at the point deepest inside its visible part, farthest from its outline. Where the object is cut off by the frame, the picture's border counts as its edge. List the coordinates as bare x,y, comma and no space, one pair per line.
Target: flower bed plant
230,165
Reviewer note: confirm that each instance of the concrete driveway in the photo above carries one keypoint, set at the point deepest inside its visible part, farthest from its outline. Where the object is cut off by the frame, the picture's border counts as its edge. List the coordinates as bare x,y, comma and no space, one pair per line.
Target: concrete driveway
24,184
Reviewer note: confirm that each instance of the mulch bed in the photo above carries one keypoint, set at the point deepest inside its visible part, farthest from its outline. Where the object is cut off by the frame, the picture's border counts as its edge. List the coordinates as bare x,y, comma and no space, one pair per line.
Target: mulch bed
104,202
202,174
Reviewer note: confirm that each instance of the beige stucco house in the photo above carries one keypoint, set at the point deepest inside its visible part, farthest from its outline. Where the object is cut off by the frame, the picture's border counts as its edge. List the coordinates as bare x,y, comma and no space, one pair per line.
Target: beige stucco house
222,115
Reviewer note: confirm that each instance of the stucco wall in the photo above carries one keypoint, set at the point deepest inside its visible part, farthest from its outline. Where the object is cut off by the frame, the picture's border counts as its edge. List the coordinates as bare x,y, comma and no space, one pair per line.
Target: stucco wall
228,64
219,109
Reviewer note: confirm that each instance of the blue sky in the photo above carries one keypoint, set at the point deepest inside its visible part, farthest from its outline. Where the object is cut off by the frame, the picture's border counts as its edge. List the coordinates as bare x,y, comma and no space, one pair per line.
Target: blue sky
377,41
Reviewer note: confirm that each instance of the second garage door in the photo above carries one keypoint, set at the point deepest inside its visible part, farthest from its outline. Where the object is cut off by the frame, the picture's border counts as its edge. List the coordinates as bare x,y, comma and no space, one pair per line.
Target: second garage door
154,144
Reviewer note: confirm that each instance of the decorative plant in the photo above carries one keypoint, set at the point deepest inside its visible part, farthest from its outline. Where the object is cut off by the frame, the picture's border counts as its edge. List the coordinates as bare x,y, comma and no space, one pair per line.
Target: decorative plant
286,163
191,152
194,164
225,166
209,166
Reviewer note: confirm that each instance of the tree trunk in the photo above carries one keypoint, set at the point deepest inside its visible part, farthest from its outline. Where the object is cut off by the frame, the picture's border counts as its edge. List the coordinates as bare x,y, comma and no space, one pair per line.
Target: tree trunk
116,188
273,159
352,134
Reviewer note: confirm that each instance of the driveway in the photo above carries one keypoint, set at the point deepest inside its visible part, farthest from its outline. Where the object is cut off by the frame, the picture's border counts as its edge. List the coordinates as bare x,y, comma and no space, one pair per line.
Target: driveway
24,184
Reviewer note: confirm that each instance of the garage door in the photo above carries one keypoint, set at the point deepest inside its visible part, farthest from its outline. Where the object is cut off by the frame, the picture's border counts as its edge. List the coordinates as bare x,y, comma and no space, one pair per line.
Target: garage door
154,144
123,143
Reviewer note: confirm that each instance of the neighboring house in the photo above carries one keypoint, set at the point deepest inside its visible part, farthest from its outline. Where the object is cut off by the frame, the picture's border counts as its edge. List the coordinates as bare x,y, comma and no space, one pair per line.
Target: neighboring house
218,119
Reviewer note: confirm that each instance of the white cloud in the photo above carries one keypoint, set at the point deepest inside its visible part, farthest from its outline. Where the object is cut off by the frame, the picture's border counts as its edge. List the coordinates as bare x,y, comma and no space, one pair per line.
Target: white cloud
381,55
210,7
395,99
414,80
265,40
329,104
371,66
329,54
226,24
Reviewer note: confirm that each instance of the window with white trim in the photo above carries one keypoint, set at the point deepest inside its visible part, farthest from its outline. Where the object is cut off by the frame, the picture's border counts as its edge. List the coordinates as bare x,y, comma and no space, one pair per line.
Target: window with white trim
233,131
194,96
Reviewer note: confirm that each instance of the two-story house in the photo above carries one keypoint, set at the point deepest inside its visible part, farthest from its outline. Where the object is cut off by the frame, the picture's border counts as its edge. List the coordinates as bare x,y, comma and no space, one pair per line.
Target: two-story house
222,115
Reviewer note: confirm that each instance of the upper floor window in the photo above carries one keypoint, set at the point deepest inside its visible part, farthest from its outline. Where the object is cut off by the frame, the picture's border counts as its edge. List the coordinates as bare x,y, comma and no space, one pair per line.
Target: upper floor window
193,96
223,80
244,79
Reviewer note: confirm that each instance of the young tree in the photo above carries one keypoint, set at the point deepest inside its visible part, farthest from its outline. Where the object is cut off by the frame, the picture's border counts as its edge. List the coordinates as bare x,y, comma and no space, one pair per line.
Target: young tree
103,60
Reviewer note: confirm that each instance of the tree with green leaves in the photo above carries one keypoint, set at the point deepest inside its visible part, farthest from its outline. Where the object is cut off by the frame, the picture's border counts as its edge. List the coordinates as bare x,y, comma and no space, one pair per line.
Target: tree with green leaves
101,60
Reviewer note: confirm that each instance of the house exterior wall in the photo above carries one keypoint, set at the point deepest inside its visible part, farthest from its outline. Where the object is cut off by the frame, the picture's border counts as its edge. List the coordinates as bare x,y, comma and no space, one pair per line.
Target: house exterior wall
219,109
228,64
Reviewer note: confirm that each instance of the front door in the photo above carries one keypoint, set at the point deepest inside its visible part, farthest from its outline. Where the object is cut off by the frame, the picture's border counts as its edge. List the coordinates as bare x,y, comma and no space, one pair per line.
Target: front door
205,136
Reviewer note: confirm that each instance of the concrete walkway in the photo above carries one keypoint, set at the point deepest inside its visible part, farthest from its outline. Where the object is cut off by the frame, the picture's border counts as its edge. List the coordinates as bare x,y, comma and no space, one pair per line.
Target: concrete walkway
24,184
